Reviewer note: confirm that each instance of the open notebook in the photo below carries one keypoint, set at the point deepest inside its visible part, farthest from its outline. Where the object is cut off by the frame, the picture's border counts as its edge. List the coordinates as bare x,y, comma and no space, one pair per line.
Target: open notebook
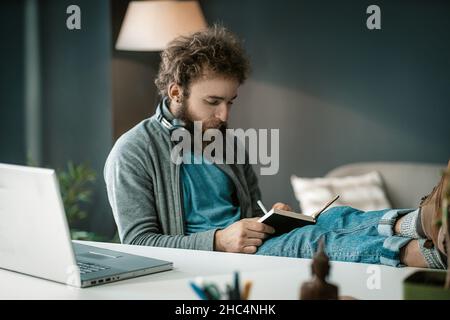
285,221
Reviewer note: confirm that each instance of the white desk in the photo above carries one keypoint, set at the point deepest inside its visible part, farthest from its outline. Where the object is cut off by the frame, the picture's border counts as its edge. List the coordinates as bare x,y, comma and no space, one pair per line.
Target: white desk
273,277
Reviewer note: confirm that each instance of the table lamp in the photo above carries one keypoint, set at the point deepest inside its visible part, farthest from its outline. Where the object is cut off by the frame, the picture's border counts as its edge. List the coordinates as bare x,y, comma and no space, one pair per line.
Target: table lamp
151,25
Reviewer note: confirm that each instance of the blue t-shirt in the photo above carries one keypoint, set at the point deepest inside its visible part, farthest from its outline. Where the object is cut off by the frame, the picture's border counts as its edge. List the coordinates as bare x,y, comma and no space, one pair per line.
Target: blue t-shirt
208,197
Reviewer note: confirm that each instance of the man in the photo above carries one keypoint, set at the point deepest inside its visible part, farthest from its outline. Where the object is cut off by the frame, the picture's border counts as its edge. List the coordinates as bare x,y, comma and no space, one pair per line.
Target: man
213,206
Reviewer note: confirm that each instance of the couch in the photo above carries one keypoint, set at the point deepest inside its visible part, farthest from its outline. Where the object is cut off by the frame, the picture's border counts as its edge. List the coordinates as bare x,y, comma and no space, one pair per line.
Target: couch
405,183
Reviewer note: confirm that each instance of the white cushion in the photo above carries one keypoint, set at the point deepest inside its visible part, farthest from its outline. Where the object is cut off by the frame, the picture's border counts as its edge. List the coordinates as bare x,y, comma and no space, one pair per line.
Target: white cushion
364,192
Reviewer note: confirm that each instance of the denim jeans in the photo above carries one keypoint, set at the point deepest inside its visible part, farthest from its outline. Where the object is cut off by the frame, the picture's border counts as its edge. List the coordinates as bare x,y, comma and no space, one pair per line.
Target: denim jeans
350,235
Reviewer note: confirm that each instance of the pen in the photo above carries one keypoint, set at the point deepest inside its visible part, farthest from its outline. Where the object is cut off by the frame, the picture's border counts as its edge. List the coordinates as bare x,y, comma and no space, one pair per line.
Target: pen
198,291
236,289
229,292
260,204
208,294
213,291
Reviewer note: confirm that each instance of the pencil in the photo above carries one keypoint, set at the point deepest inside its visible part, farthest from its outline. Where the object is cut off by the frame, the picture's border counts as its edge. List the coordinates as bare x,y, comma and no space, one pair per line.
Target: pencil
247,288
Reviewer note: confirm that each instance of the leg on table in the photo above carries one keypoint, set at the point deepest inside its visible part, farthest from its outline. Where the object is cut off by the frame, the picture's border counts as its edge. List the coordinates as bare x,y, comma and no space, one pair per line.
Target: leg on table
411,256
350,235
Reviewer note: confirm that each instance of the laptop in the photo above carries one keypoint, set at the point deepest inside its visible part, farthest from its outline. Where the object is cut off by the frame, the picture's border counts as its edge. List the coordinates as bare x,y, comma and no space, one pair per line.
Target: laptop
35,238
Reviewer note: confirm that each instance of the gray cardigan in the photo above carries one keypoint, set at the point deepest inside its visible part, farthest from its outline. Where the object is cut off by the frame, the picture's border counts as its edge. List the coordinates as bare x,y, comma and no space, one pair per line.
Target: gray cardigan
144,190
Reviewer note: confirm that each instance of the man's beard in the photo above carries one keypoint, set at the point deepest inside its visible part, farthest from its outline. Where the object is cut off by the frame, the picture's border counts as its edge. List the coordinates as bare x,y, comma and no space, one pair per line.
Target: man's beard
211,123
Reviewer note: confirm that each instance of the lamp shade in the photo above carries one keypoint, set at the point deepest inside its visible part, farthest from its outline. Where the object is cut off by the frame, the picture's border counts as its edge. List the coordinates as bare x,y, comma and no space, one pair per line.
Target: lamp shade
151,25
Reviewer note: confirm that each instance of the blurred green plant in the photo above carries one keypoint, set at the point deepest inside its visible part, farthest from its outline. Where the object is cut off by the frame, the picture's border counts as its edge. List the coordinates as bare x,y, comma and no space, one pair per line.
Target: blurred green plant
76,186
76,190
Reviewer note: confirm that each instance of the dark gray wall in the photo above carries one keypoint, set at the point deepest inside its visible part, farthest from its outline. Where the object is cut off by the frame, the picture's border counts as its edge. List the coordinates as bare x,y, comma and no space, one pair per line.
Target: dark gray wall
76,82
12,83
133,73
338,92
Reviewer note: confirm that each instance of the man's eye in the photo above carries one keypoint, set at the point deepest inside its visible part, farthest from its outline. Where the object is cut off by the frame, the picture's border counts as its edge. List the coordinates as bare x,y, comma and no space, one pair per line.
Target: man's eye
213,102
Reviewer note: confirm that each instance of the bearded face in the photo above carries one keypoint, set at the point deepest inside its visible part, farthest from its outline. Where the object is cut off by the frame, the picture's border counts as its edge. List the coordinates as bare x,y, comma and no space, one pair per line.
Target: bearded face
208,100
209,123
184,113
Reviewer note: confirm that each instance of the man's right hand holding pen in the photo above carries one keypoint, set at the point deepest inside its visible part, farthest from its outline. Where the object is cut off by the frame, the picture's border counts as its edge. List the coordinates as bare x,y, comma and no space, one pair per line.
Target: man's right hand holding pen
246,235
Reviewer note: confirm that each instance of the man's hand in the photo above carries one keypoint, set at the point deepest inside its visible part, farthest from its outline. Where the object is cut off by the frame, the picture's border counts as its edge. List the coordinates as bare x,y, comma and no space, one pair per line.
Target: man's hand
282,206
243,236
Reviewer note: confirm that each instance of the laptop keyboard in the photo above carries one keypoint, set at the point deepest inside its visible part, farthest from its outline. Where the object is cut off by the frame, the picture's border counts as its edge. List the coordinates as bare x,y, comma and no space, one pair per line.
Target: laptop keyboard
90,267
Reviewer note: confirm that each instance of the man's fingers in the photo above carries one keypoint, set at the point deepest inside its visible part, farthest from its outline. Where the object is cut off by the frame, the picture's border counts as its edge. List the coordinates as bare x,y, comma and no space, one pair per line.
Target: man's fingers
282,206
250,249
259,227
255,234
252,242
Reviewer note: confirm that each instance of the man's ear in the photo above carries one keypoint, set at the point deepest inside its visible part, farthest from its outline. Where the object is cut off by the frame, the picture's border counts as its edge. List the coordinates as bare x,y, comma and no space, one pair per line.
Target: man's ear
175,93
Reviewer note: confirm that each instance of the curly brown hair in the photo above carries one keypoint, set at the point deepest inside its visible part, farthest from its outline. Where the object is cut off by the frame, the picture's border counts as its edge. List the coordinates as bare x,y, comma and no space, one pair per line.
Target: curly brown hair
187,57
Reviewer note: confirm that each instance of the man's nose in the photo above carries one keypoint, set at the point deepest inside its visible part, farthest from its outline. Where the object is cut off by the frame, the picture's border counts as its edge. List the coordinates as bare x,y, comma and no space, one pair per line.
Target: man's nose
222,112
